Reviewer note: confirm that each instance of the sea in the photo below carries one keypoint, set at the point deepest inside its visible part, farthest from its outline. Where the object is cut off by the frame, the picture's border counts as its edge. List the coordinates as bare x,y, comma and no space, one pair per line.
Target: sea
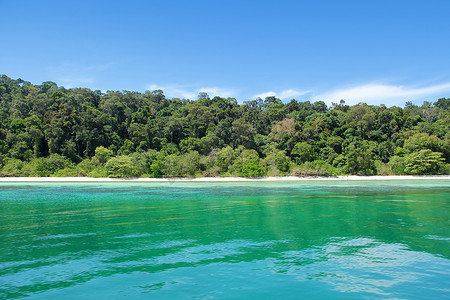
225,240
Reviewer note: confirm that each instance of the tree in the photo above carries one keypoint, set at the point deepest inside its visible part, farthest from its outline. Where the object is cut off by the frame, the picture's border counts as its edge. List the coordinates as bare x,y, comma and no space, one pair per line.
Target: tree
102,155
225,158
303,152
360,160
242,132
122,166
420,141
175,137
443,103
423,162
252,169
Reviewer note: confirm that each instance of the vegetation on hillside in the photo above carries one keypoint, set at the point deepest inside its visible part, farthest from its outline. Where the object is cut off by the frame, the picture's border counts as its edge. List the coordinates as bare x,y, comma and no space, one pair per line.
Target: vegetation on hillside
46,130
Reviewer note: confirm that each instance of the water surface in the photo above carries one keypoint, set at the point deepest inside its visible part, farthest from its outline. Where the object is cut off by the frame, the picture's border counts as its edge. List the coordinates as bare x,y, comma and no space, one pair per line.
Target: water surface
252,240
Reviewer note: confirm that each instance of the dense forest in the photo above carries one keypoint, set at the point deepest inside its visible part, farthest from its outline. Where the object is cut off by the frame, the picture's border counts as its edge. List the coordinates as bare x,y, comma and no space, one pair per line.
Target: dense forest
46,130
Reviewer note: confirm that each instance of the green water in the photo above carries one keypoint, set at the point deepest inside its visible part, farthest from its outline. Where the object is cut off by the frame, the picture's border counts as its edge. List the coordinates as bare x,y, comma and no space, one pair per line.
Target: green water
289,240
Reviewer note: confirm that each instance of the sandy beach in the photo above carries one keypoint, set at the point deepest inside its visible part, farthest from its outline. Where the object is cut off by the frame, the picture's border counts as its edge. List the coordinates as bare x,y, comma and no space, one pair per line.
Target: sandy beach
219,179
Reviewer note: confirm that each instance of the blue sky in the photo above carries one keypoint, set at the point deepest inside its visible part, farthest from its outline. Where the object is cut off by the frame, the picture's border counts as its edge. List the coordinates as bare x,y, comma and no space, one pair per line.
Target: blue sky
376,52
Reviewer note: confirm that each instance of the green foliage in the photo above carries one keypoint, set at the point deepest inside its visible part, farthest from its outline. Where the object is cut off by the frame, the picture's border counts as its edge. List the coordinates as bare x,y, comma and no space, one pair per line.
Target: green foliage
397,165
180,166
37,167
12,167
225,158
423,162
382,168
66,172
360,160
315,168
277,162
127,147
102,155
46,129
421,141
122,166
156,167
252,169
86,166
98,172
303,152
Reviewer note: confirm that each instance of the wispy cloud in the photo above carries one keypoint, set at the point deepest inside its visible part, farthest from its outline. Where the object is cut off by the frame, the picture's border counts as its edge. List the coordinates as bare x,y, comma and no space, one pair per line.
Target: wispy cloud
74,82
174,91
375,93
72,75
285,94
371,93
218,91
191,92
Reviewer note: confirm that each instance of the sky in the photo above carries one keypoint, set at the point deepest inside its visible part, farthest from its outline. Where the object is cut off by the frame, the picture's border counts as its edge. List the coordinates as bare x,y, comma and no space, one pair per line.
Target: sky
377,52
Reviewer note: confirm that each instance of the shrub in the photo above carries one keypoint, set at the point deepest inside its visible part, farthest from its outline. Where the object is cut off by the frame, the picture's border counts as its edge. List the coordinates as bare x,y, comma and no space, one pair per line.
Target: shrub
44,167
181,165
12,167
253,169
315,168
98,172
122,166
303,152
102,155
397,165
66,172
423,162
360,160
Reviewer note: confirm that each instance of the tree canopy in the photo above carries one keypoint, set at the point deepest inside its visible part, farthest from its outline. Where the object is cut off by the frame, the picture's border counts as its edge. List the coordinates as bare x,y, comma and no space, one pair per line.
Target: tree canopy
47,130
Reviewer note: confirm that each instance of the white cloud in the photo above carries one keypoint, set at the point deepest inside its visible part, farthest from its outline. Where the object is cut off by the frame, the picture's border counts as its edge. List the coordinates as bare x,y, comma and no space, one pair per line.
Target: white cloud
74,82
174,91
218,91
265,95
375,93
290,94
190,92
371,93
285,94
72,75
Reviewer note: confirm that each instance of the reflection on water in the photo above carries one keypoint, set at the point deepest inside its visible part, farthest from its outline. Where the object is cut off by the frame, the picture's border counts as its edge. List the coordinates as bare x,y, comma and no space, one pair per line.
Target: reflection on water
229,241
360,265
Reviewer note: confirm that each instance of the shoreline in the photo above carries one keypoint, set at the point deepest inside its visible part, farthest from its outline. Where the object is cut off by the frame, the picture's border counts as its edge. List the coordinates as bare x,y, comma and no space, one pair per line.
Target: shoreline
223,179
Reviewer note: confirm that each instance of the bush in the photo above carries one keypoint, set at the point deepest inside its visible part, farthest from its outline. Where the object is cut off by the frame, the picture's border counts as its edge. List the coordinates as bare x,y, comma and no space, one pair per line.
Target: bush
225,158
360,160
277,162
98,172
84,167
66,172
181,165
12,167
382,168
424,162
303,152
315,168
253,169
102,155
212,172
397,165
44,167
122,166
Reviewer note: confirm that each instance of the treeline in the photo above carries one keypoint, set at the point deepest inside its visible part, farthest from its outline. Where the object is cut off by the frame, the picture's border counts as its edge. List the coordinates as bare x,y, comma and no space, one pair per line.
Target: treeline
46,130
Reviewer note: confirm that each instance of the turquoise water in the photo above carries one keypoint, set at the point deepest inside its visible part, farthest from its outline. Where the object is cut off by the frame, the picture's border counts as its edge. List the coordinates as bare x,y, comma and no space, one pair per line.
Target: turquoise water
258,240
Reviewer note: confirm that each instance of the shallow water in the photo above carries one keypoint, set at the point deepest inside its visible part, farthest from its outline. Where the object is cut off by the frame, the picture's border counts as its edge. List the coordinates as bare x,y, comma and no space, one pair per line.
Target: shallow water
252,240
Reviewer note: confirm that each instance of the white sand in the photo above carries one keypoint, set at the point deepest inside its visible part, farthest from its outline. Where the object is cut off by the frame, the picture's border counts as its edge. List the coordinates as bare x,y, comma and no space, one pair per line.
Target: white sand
218,179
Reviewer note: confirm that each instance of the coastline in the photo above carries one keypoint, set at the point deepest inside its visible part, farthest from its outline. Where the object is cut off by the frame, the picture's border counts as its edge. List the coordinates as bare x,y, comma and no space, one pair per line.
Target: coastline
222,179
